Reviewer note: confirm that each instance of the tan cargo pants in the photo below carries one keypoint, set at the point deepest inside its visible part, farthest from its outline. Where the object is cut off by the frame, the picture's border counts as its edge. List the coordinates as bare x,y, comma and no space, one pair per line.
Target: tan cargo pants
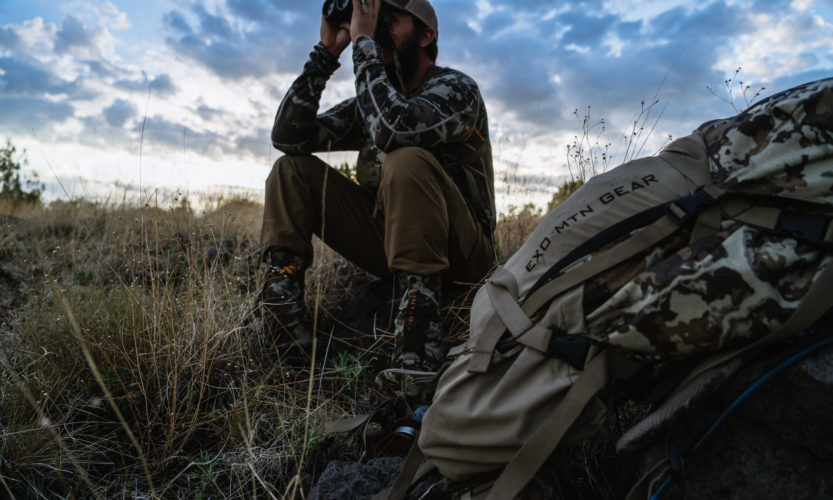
423,225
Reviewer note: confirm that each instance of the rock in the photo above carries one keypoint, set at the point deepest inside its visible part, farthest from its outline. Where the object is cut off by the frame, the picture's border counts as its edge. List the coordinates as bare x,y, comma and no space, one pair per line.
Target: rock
222,253
778,444
354,481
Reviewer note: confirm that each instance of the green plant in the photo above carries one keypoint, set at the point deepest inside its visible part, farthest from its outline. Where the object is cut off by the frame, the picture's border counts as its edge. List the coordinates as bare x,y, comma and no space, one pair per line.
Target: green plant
349,367
11,187
205,476
311,443
82,277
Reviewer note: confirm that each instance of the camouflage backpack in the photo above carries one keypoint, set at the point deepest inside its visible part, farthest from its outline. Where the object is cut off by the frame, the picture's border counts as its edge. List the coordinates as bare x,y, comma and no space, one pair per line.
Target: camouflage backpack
719,244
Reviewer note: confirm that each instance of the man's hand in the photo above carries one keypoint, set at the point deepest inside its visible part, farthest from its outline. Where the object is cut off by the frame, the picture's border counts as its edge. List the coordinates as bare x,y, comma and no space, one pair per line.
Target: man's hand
365,17
335,38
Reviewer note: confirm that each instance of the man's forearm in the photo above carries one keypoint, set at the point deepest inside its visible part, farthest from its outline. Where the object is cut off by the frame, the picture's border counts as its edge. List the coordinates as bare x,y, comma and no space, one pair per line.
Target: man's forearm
294,127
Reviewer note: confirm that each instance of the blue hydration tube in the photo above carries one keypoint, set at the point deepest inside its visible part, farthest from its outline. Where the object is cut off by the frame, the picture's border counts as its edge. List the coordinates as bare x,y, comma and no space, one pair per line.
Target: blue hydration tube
732,407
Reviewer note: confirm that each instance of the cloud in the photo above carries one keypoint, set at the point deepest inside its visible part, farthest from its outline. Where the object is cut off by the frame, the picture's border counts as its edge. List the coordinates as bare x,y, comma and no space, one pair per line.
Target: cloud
208,113
72,33
582,56
33,37
25,114
8,38
119,112
215,27
226,60
167,135
103,68
251,38
777,44
29,77
256,9
160,86
174,19
74,36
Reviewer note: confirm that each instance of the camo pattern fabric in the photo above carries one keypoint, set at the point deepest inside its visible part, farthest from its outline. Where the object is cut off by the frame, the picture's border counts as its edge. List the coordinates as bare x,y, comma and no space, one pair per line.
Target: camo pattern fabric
445,115
281,300
679,300
780,146
418,333
298,129
415,387
722,291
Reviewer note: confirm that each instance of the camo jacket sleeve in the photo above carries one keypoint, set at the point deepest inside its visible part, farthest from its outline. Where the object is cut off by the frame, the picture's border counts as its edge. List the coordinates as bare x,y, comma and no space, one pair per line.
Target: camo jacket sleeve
444,110
298,129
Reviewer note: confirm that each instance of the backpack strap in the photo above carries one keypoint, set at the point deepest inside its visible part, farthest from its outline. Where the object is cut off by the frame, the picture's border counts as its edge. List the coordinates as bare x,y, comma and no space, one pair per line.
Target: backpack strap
535,451
502,290
640,241
410,474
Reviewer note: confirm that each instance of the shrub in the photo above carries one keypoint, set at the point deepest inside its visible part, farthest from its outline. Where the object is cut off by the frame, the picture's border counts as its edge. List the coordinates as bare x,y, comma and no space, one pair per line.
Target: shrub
12,190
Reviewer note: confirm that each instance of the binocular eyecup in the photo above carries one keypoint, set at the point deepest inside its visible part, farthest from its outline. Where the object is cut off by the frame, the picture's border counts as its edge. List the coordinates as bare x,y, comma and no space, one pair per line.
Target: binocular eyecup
338,11
341,11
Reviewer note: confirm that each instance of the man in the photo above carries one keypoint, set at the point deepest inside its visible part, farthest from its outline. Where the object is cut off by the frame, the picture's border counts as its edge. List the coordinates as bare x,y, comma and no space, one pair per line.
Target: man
423,210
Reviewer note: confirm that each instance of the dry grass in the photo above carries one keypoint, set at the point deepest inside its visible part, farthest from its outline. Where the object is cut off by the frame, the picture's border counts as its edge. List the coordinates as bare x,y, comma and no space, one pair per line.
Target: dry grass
129,367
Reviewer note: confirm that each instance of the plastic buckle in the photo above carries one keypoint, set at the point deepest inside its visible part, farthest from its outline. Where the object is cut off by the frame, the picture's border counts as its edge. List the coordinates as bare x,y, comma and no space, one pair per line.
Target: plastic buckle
571,349
686,208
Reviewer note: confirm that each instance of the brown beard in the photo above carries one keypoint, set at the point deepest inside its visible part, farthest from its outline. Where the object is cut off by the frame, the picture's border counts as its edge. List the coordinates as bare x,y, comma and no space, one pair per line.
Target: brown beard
408,56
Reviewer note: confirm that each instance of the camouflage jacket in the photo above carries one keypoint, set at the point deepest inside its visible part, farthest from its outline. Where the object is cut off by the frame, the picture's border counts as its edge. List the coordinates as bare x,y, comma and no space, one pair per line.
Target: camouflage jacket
444,115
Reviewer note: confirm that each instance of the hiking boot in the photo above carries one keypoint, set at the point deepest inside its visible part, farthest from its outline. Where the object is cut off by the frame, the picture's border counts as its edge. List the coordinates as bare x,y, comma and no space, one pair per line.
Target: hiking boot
281,300
418,334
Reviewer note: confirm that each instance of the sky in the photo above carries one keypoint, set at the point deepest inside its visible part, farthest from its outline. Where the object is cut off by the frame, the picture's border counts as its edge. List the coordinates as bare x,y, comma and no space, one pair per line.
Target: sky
170,98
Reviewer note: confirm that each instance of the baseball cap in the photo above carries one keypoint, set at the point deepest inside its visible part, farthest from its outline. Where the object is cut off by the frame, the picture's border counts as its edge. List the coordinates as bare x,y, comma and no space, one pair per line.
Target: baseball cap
420,9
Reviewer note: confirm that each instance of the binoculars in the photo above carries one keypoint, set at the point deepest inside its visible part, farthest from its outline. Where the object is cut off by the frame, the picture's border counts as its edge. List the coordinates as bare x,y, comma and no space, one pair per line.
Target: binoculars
341,11
338,11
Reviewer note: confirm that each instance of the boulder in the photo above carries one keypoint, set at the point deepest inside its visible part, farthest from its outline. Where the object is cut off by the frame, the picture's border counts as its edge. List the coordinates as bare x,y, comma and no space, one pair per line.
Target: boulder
356,481
777,444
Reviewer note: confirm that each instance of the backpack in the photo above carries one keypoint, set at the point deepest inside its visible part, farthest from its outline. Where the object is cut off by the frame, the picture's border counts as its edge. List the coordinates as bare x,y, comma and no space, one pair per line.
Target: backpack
718,245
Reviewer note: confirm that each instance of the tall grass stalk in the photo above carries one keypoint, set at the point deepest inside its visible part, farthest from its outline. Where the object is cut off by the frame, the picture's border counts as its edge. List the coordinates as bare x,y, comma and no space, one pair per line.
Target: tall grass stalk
131,361
76,329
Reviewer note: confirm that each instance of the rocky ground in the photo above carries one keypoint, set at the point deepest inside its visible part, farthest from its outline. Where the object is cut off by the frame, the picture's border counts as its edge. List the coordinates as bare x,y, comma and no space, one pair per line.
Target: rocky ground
778,444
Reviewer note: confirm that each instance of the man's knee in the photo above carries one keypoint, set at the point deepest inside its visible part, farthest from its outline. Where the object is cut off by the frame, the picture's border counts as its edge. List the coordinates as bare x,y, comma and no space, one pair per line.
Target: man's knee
409,164
292,166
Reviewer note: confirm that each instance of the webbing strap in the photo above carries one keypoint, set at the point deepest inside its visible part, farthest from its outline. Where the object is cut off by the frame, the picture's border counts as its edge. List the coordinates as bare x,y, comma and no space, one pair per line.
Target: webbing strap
764,217
517,322
410,474
502,290
348,424
481,358
503,295
534,452
708,223
640,241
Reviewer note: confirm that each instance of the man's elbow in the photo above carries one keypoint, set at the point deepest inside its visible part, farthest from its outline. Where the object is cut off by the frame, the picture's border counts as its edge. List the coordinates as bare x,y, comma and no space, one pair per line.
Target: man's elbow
285,143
